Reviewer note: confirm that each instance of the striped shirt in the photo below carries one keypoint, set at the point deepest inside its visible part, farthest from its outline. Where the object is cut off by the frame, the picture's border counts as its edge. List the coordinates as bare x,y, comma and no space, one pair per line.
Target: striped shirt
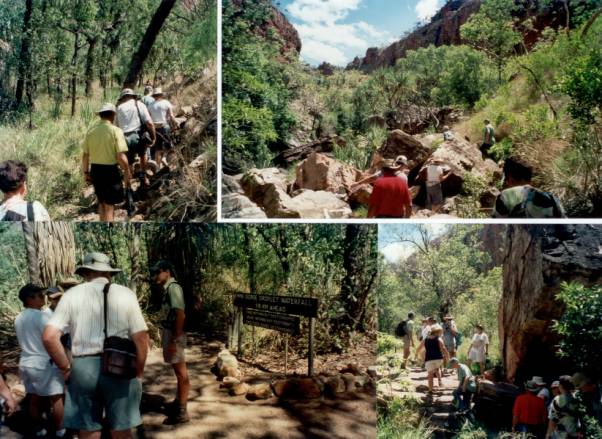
80,312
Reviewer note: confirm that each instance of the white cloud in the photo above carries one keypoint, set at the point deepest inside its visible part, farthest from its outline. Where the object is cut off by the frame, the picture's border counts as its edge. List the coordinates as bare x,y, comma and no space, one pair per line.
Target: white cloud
397,251
325,35
425,9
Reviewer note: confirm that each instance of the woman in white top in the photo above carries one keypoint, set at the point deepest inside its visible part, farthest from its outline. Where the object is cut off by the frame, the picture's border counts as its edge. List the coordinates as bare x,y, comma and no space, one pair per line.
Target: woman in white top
479,348
14,207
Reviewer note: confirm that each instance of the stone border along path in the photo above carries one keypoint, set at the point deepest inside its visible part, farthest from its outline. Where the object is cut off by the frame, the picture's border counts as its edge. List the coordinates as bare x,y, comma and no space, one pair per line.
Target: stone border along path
437,407
215,414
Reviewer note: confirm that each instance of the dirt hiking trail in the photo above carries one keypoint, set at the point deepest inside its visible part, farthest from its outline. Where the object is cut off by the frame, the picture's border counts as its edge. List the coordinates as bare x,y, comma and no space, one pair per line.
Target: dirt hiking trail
214,414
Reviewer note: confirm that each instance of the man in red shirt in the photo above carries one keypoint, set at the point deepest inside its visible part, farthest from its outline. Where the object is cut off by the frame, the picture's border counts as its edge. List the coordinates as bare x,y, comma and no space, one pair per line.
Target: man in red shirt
529,414
391,196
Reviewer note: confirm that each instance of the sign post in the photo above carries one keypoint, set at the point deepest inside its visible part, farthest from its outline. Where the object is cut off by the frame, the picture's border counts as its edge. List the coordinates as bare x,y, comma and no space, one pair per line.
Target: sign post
280,313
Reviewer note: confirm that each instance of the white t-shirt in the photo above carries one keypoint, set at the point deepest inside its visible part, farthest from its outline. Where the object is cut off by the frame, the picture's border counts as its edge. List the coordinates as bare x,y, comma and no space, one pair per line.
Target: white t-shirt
158,111
433,173
29,326
19,206
81,313
426,331
127,116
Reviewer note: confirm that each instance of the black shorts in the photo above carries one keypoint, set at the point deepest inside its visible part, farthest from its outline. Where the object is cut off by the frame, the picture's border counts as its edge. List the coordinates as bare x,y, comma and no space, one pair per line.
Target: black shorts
135,146
164,142
108,183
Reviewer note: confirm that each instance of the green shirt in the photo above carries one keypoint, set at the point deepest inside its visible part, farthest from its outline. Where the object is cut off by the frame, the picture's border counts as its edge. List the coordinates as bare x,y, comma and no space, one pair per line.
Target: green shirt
172,300
103,142
463,373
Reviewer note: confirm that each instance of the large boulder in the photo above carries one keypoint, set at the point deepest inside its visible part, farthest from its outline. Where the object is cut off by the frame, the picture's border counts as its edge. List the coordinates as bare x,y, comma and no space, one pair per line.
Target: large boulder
297,388
458,158
538,258
257,182
240,206
319,172
400,143
316,205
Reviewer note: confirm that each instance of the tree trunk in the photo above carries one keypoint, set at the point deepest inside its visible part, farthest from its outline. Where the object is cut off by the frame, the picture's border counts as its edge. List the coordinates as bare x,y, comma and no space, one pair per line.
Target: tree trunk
74,73
251,260
134,254
24,53
90,61
360,261
147,42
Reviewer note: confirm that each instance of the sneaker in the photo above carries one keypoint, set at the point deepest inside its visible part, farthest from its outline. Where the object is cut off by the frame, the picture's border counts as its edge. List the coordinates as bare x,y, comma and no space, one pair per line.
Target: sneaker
178,417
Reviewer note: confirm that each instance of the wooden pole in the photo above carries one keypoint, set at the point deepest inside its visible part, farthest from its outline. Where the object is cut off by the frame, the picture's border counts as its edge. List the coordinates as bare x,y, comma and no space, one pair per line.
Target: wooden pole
310,354
286,356
239,351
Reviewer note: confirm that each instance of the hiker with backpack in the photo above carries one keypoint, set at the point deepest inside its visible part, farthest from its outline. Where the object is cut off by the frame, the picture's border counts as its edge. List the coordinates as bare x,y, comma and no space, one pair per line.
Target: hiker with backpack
563,412
521,200
161,111
134,119
435,355
41,379
405,331
109,346
13,184
173,316
104,154
488,138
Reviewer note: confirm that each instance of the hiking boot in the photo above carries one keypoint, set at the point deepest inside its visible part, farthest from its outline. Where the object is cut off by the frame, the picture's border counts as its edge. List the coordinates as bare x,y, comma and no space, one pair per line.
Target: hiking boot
171,407
180,416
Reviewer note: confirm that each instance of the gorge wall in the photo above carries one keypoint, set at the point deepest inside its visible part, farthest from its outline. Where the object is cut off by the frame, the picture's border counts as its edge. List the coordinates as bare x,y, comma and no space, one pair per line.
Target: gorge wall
537,260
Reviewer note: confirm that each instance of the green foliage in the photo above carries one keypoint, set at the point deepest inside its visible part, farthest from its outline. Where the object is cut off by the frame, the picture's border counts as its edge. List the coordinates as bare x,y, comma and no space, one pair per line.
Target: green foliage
580,327
468,206
400,419
387,343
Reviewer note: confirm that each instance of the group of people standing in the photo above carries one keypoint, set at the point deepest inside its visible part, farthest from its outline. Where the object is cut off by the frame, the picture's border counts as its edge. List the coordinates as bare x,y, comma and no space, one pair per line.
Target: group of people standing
135,128
71,372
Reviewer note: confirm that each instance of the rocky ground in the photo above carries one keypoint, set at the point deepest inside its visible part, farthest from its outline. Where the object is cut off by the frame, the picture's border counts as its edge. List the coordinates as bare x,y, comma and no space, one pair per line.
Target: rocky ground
218,413
321,186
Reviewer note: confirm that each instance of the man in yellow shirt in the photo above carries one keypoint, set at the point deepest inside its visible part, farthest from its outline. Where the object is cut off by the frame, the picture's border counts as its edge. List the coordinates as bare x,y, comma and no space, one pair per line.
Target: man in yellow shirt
104,151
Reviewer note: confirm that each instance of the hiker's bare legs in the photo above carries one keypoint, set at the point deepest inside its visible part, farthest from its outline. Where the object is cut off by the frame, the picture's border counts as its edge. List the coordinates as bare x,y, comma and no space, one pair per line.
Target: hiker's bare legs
106,212
158,157
183,383
34,410
439,377
121,434
56,403
481,368
89,434
430,380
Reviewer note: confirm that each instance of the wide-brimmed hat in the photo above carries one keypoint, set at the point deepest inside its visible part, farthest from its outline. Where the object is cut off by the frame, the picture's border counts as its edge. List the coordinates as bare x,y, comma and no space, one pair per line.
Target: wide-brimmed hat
127,92
555,384
30,290
436,328
55,292
106,108
539,381
389,164
448,317
96,261
401,160
157,91
532,386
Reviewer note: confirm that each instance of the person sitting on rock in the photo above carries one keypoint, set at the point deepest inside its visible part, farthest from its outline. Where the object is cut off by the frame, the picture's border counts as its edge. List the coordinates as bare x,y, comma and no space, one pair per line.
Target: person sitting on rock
521,200
404,170
529,414
14,206
390,196
467,385
447,134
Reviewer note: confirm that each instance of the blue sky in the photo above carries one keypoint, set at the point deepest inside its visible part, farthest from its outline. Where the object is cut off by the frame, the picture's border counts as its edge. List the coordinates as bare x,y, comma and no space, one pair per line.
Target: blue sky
388,241
338,30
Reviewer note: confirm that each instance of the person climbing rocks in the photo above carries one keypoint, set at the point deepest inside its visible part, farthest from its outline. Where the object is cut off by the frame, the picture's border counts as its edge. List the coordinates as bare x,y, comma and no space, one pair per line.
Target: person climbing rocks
529,414
479,348
41,378
449,334
8,405
13,184
147,99
161,111
407,327
435,356
104,152
467,385
94,396
589,394
563,411
447,134
403,170
488,138
390,196
435,175
173,316
521,200
134,119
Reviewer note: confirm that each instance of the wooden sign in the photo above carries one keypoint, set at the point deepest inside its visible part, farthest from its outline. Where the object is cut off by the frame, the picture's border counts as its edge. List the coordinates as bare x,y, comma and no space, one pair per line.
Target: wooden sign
269,320
299,306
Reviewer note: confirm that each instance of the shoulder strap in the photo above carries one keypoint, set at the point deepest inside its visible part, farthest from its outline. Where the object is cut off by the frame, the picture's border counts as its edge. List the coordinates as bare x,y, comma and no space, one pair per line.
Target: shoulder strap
138,110
105,290
30,212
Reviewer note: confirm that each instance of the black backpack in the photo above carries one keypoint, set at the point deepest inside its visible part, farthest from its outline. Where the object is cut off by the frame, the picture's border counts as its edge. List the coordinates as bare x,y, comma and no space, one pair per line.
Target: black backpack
402,330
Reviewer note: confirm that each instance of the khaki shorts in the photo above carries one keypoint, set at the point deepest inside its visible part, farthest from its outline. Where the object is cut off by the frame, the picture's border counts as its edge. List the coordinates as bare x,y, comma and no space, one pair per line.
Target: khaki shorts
179,355
433,365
